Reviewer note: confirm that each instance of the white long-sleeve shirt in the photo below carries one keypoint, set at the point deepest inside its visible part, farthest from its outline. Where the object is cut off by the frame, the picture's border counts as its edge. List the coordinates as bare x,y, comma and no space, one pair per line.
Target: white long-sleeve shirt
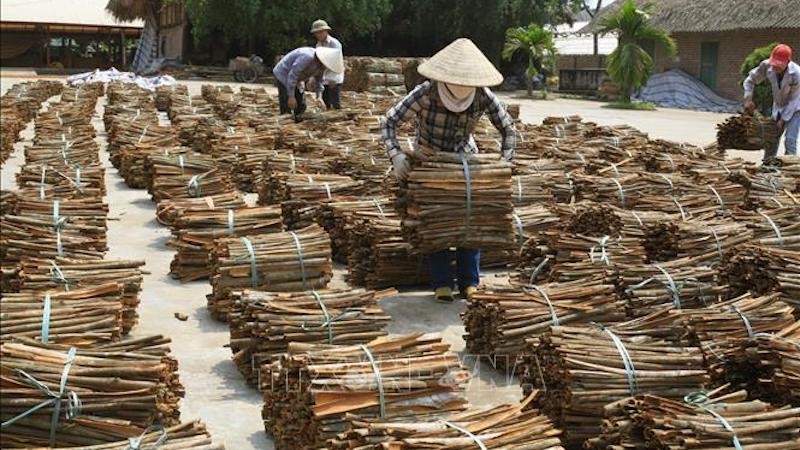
330,77
785,94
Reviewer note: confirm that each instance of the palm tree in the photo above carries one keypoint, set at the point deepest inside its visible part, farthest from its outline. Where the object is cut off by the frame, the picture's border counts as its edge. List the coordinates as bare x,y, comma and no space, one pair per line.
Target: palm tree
629,65
536,44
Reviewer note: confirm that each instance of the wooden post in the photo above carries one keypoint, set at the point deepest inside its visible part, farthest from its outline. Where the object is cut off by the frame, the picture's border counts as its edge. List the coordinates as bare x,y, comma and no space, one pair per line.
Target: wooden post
122,48
47,45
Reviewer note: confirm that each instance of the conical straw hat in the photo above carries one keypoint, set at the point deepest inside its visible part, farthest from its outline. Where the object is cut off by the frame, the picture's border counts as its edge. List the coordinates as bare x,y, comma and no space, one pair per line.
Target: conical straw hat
331,58
461,62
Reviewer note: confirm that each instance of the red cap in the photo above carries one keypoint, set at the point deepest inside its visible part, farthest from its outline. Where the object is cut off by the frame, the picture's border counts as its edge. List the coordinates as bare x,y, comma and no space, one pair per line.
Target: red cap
781,55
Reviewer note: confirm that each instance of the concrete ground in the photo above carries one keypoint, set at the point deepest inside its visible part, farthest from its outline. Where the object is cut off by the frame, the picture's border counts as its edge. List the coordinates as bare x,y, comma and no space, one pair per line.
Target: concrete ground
215,392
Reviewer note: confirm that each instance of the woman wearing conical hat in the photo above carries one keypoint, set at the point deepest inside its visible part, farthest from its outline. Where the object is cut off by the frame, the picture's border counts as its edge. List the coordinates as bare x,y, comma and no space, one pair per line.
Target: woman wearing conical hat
446,110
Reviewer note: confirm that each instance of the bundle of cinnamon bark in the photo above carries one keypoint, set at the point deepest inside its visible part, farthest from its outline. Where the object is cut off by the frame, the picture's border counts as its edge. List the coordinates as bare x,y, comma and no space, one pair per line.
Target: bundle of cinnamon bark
747,132
761,270
579,370
338,217
170,210
499,323
502,426
66,275
713,420
379,256
703,241
194,233
457,199
263,324
311,393
80,317
681,283
62,180
184,436
106,393
301,196
286,261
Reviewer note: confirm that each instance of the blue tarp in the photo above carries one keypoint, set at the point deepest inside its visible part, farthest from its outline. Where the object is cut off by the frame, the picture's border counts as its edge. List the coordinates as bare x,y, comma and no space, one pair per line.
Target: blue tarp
678,89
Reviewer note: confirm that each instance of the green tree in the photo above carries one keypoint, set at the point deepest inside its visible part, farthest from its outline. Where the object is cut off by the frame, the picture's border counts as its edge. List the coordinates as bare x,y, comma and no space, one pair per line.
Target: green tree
762,95
537,46
281,25
629,65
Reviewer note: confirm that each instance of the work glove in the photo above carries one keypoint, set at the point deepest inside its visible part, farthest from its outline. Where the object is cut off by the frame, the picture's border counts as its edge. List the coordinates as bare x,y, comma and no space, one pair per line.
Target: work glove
401,166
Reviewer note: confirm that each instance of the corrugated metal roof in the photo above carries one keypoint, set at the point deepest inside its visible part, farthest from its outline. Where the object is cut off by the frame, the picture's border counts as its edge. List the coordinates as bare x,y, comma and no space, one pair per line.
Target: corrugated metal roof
74,12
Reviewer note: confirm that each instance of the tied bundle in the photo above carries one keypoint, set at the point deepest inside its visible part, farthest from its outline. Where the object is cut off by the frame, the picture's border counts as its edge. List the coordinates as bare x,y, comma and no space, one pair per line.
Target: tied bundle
678,283
170,210
379,256
43,238
512,427
313,390
767,364
194,234
458,199
184,436
133,162
304,195
762,270
582,369
80,317
338,219
276,168
263,324
533,256
204,184
701,421
579,257
127,134
60,396
777,228
160,167
747,132
287,261
499,323
702,241
62,181
63,275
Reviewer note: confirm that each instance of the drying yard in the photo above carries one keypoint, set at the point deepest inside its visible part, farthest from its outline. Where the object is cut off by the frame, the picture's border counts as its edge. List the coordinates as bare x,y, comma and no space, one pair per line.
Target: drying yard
190,268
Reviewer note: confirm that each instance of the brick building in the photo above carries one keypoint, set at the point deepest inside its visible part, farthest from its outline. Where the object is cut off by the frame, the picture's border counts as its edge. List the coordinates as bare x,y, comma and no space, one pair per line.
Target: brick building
714,36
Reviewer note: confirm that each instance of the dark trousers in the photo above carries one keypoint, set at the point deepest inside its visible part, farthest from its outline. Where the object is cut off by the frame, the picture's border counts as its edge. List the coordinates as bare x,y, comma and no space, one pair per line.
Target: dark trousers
332,97
283,100
468,261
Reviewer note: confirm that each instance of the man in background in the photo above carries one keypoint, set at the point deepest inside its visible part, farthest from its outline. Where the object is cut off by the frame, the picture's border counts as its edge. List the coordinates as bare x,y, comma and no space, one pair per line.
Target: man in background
299,65
784,77
332,81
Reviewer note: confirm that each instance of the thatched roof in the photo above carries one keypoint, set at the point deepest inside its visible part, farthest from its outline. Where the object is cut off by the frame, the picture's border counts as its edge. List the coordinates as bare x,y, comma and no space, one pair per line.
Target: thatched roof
680,16
128,10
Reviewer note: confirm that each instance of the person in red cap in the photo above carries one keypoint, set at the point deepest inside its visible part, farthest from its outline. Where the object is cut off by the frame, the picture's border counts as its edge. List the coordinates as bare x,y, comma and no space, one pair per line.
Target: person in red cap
784,76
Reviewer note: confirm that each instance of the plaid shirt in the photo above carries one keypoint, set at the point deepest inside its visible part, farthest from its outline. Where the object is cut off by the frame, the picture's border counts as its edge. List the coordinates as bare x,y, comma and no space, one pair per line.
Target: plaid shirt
443,130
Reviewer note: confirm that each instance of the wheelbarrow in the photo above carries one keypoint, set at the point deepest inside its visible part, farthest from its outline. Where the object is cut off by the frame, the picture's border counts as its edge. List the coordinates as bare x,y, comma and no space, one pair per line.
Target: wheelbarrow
247,70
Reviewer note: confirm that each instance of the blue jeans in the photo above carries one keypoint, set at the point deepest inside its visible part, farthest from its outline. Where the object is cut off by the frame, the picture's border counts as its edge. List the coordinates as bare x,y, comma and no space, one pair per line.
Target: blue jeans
792,129
468,273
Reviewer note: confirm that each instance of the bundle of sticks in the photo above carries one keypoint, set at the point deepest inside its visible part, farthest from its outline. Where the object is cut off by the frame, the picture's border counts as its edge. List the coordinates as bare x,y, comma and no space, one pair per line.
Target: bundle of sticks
503,426
770,190
337,217
274,170
529,190
194,233
499,322
311,393
213,182
23,237
713,420
170,210
766,364
80,317
105,394
62,181
457,199
591,219
582,369
8,201
287,261
747,132
761,270
379,256
184,436
303,195
263,324
704,241
132,164
127,134
680,283
176,163
779,227
64,275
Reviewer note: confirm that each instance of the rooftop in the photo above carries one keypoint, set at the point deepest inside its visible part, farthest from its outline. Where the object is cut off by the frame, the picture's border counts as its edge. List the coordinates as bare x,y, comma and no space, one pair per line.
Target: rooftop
72,12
